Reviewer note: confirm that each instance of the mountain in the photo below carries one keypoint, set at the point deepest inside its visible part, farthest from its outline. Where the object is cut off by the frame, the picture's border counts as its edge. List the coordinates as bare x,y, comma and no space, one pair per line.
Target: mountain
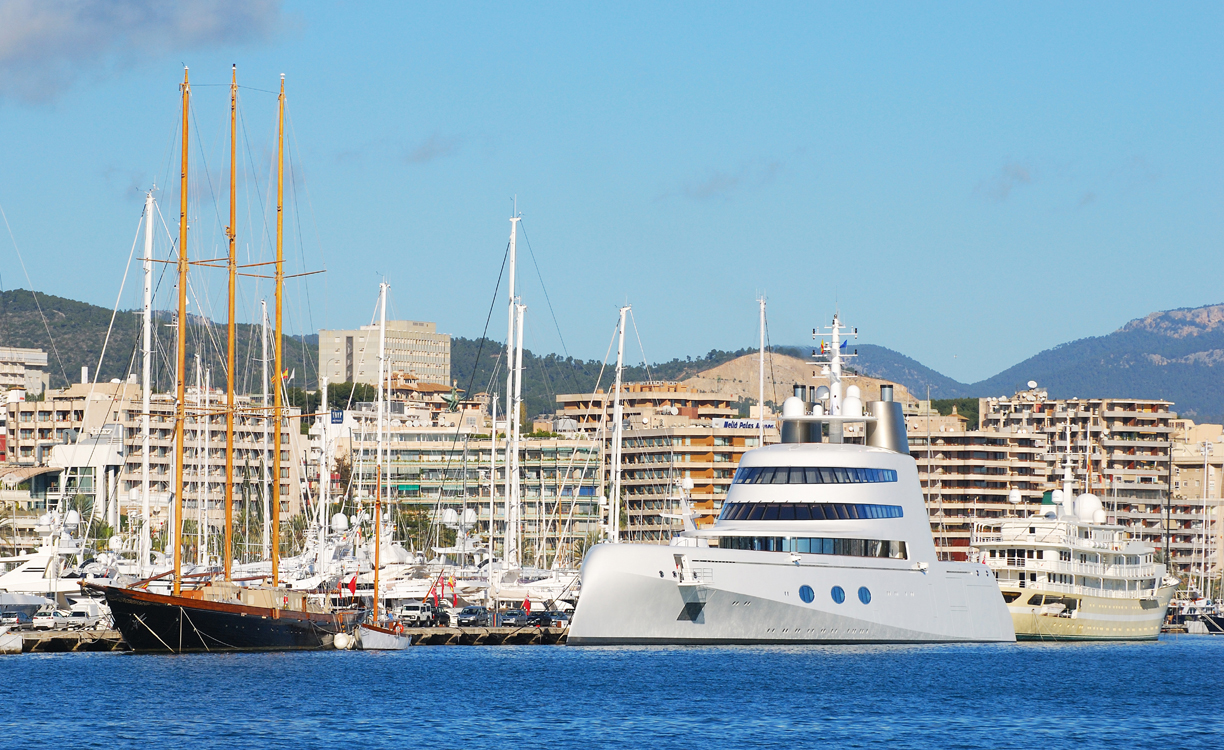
73,334
1176,355
1171,355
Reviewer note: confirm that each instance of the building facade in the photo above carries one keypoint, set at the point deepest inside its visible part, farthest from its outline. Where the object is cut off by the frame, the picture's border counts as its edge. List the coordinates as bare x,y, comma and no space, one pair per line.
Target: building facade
431,470
411,346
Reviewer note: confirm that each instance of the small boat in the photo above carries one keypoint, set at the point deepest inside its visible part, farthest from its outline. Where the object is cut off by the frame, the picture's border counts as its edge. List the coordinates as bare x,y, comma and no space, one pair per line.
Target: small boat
378,638
10,643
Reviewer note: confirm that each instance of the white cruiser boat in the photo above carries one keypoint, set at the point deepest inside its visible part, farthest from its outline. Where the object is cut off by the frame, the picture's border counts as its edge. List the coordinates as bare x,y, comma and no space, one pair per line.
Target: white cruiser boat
1069,575
817,542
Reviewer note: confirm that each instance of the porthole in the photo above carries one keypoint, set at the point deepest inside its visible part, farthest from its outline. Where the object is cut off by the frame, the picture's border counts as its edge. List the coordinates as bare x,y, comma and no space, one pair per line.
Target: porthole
806,594
839,595
864,595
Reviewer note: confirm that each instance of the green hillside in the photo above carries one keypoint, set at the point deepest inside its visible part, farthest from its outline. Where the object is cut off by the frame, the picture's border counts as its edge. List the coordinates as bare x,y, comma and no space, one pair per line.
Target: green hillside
73,333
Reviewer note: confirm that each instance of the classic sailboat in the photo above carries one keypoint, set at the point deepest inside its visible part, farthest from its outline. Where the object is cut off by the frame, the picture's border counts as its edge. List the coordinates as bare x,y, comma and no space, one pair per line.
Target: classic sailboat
222,615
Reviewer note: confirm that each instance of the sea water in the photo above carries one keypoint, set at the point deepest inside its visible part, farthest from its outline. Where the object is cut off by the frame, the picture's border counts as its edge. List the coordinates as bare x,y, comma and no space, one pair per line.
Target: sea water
1112,695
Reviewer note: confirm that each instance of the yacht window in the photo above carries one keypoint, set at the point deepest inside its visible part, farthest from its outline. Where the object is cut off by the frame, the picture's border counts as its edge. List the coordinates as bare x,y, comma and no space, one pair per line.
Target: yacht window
838,594
808,511
1035,599
812,475
1010,596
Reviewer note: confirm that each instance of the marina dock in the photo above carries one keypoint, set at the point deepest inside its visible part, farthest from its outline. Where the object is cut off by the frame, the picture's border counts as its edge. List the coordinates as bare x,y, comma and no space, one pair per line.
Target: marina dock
521,636
58,641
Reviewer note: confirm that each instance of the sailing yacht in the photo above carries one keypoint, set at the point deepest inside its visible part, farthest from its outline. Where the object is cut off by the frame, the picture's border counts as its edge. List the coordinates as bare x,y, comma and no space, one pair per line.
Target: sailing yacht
818,541
223,615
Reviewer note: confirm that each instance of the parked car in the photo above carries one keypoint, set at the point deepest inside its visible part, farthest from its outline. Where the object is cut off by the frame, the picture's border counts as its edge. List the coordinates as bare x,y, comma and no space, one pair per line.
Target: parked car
416,614
474,617
53,620
559,619
539,620
82,620
16,619
441,616
510,618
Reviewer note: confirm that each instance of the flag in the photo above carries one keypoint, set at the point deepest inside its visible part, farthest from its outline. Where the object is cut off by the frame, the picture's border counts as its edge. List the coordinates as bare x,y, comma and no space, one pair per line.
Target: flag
454,593
352,587
822,346
527,605
843,344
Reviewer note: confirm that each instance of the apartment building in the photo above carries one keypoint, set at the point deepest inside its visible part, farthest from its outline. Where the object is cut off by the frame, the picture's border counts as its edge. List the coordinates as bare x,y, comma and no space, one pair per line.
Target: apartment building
433,469
655,461
87,429
411,346
1119,449
25,369
647,404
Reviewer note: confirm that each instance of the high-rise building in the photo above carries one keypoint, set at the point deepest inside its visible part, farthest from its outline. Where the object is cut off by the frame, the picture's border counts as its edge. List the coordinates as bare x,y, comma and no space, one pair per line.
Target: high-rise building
411,346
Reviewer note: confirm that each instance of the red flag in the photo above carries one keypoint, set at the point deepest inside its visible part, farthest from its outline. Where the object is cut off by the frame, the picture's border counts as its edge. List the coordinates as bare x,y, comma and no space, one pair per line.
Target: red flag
527,605
352,587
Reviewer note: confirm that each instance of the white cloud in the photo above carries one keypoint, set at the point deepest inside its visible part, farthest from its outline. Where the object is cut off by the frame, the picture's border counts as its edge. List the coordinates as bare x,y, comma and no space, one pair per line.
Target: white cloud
46,45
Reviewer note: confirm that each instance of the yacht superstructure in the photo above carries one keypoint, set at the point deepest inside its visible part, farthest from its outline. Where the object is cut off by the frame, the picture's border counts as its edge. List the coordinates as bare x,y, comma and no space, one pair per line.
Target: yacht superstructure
817,542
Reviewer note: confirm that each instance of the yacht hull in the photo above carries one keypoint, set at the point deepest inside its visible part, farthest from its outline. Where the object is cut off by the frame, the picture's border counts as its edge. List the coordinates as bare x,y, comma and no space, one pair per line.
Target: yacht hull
1096,618
374,638
648,594
157,623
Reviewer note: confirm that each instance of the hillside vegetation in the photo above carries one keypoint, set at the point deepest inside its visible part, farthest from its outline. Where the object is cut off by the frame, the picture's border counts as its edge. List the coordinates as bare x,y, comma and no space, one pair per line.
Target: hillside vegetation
74,332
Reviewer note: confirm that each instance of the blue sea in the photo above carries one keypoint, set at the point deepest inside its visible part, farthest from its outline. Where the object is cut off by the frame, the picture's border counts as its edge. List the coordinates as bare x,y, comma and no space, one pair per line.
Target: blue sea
1161,694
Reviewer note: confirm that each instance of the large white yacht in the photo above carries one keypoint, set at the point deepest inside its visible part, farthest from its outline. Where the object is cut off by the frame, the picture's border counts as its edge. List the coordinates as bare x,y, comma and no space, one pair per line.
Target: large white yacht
817,542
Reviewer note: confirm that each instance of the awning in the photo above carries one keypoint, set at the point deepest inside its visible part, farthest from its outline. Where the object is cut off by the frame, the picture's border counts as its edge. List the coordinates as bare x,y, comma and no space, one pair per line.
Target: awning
11,476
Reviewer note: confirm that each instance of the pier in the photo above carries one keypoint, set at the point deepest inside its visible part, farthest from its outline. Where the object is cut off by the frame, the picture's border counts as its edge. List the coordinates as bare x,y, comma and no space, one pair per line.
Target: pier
520,636
59,641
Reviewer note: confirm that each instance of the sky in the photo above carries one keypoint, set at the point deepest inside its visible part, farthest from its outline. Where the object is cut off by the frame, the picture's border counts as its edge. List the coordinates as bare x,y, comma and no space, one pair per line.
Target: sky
968,184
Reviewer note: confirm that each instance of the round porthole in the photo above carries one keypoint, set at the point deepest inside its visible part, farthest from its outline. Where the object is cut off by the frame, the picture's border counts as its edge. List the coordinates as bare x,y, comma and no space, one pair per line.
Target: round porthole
806,594
864,595
839,595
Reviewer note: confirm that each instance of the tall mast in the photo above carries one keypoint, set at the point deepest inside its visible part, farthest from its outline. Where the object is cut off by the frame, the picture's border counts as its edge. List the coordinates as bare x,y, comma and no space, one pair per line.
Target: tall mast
514,499
492,477
324,478
231,231
180,404
277,332
761,382
264,476
618,427
200,456
146,358
379,403
510,413
377,535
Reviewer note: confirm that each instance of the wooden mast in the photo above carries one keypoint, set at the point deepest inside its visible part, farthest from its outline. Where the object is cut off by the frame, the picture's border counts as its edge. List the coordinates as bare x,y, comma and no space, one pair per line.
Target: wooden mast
277,382
180,404
231,231
377,534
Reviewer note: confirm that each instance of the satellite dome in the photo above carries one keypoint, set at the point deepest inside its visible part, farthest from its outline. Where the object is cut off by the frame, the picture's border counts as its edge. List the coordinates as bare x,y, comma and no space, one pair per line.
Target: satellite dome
340,522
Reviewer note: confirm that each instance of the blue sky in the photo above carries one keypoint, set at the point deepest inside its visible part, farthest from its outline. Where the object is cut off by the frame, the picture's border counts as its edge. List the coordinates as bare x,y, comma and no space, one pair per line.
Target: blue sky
968,183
